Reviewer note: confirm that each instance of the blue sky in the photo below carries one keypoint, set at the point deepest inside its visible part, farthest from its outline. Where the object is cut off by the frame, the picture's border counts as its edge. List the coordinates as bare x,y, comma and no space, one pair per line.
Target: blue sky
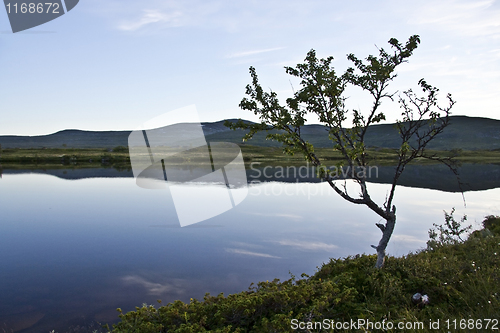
113,64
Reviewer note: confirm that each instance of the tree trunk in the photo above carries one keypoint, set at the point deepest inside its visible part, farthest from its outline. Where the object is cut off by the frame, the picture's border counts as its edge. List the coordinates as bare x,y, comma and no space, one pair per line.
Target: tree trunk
386,236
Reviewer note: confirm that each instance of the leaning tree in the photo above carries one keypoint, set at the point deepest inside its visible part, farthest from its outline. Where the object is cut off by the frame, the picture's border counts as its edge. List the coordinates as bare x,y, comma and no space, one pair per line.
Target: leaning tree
322,93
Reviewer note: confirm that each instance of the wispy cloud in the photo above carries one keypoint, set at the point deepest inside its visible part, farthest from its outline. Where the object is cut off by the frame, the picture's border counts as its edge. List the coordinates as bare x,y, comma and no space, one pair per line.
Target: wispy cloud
407,239
151,16
152,287
309,246
466,18
250,253
252,52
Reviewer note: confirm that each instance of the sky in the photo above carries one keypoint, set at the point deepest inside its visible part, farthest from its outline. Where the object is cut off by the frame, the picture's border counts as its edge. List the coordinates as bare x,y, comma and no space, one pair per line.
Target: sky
114,64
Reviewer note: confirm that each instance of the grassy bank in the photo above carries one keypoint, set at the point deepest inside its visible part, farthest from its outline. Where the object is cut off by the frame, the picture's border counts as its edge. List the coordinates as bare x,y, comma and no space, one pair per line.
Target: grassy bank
462,280
375,156
94,157
64,156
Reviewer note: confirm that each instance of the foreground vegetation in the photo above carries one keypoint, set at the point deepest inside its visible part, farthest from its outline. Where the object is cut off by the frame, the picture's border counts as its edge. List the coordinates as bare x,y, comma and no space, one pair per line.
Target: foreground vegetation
461,279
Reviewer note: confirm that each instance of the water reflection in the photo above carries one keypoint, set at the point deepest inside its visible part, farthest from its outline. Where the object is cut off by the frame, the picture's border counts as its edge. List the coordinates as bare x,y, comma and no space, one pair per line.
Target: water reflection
474,177
71,252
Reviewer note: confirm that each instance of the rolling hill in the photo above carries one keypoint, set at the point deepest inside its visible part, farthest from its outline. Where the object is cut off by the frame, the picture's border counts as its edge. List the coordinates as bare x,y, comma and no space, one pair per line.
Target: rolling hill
468,133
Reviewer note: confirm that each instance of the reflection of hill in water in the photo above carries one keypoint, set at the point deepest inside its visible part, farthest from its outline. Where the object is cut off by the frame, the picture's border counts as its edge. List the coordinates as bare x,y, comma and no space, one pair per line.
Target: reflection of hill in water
475,177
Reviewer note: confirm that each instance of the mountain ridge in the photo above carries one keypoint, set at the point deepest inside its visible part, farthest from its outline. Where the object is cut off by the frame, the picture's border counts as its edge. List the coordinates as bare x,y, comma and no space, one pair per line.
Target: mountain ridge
468,133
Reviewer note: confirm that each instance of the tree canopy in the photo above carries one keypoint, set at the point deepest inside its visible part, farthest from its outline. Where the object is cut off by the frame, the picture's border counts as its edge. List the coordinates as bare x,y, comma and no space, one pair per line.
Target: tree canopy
323,93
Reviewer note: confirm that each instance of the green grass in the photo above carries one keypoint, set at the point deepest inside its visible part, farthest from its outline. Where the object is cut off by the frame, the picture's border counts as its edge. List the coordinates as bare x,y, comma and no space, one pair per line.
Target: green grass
375,156
273,156
20,158
462,280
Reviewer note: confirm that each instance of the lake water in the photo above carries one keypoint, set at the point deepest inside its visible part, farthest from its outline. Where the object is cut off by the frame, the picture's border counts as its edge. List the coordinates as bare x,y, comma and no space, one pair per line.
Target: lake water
73,250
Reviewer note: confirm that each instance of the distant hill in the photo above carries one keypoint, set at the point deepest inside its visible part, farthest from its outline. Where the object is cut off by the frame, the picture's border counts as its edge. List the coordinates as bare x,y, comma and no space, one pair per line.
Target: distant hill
468,133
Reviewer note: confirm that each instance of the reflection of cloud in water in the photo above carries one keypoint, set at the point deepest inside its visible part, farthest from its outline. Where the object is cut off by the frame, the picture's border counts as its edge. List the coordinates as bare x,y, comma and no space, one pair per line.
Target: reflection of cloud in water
290,216
247,245
250,253
152,287
310,246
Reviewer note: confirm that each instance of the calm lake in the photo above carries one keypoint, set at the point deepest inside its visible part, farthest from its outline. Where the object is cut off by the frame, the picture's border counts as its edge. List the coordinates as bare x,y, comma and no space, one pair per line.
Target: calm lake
74,248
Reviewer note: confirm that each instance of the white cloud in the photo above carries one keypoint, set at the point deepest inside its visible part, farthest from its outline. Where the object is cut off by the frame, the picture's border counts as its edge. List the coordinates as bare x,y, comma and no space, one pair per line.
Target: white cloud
253,52
151,16
250,253
310,246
